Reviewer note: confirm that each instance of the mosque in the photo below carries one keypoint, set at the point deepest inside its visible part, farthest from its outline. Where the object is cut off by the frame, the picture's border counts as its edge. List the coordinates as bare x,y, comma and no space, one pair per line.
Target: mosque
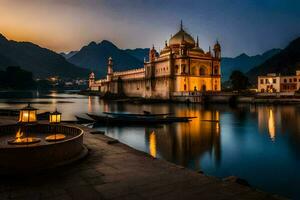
181,68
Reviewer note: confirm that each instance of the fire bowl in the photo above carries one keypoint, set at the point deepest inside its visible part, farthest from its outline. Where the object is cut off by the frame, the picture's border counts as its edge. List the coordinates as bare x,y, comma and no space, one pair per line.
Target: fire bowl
24,141
32,148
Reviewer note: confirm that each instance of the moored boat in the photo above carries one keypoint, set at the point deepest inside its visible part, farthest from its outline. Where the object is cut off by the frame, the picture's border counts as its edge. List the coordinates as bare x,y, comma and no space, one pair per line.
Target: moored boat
137,119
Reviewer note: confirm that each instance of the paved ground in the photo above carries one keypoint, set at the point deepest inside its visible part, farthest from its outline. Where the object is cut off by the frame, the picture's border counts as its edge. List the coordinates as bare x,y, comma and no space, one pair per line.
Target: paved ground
116,171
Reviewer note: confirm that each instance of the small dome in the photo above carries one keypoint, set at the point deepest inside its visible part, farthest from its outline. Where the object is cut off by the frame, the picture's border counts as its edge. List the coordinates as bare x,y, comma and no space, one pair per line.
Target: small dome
177,38
197,49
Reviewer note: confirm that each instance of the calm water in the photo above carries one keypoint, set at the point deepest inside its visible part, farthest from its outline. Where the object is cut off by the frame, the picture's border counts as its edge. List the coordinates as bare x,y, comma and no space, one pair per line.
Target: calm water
260,144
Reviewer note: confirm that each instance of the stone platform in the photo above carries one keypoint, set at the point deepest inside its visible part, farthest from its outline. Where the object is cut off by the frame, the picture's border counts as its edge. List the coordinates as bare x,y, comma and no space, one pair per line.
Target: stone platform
115,171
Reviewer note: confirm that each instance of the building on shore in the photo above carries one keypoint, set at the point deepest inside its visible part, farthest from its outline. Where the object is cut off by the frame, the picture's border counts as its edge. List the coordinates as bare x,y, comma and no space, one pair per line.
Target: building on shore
274,83
181,68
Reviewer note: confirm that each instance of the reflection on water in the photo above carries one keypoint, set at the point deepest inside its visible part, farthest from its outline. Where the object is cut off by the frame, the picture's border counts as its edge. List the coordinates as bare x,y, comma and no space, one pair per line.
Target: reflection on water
271,125
152,144
258,143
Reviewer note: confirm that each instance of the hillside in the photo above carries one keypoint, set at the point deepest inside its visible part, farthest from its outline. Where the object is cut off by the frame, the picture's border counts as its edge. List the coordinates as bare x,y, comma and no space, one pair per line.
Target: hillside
139,53
244,62
40,61
69,54
94,56
286,62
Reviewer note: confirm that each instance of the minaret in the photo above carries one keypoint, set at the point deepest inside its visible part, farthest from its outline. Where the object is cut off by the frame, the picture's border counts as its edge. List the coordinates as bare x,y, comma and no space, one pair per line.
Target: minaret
91,79
183,46
152,54
110,69
217,50
181,25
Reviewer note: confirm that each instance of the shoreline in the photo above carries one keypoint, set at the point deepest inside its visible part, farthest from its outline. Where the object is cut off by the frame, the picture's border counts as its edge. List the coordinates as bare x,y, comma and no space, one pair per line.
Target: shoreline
115,170
220,98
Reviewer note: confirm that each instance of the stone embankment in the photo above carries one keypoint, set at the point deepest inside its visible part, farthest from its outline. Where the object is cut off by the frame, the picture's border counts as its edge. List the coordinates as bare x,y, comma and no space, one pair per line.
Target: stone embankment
113,170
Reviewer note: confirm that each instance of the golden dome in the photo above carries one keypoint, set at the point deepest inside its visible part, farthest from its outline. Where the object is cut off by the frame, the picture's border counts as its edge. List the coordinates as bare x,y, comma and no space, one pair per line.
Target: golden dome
182,35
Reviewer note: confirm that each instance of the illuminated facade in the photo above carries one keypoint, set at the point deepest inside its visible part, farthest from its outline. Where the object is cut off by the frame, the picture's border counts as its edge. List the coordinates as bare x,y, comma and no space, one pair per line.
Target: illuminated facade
276,83
182,68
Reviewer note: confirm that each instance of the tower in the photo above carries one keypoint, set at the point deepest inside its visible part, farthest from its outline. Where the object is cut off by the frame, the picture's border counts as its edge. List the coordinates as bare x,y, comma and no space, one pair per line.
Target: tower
152,54
109,69
91,79
217,50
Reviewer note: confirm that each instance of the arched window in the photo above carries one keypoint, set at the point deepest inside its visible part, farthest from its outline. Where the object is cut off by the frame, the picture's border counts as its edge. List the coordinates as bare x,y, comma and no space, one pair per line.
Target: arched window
184,87
202,71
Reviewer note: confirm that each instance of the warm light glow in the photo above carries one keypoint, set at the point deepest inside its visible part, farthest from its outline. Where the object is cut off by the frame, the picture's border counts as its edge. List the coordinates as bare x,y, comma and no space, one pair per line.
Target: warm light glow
55,117
271,125
27,116
152,144
19,135
55,137
90,104
19,139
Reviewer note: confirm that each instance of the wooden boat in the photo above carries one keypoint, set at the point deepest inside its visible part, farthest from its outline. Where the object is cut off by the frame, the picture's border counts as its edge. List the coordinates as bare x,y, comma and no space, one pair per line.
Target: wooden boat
84,120
137,119
146,113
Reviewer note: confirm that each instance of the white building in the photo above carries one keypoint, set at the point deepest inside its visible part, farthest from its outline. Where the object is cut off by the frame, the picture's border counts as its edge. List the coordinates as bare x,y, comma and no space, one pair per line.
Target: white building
276,83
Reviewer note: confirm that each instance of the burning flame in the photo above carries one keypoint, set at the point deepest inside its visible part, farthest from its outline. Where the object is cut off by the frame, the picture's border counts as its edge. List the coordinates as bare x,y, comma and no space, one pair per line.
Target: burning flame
19,135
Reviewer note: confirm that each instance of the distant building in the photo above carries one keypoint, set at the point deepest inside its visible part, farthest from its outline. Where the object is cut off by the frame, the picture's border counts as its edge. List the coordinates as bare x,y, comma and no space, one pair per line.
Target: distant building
277,83
181,68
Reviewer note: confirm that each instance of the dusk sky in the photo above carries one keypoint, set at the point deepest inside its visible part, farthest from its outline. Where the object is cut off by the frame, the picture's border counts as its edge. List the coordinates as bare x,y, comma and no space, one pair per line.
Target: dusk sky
250,26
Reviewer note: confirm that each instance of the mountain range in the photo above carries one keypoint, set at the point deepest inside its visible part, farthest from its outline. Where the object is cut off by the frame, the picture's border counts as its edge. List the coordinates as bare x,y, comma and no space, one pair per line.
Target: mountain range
43,62
286,62
244,62
95,56
40,61
68,55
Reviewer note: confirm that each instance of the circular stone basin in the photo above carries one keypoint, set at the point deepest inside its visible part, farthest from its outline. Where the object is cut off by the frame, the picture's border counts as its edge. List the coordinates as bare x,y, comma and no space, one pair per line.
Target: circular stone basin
31,148
24,141
55,137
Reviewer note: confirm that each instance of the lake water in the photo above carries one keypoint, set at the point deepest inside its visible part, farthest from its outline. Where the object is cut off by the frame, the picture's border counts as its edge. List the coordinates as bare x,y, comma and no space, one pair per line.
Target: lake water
258,143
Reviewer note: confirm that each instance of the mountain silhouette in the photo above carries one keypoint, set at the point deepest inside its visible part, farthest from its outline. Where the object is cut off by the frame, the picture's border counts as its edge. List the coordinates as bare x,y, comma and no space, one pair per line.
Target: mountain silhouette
286,62
40,61
69,54
244,63
94,57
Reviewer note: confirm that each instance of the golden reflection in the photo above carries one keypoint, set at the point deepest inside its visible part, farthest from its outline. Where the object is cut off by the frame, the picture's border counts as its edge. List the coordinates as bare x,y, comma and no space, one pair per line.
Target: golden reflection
90,104
188,141
271,125
152,144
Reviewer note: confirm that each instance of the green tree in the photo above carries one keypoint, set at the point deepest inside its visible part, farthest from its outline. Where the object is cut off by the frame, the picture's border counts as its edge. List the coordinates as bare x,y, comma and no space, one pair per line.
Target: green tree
239,81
